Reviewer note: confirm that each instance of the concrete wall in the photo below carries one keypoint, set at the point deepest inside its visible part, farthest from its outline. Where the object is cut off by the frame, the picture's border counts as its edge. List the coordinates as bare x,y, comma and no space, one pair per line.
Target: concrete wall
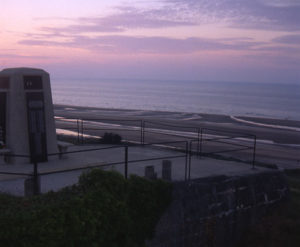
216,211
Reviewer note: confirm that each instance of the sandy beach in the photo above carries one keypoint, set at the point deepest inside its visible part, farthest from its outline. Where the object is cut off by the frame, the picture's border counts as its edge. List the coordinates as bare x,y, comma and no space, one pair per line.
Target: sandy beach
278,141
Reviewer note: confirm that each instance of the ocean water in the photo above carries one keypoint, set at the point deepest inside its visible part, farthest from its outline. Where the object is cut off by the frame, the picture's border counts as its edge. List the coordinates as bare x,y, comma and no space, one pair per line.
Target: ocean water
228,98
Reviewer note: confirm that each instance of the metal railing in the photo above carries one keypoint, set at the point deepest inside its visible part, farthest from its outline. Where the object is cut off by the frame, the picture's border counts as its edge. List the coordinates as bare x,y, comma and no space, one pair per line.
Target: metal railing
151,131
125,161
195,141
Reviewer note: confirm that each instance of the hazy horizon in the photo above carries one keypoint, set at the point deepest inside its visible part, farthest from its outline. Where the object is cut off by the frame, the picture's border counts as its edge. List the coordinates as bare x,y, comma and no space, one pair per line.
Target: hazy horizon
116,79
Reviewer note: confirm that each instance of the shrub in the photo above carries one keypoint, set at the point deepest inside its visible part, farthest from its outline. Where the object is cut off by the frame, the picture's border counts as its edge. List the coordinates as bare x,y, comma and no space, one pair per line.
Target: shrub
104,209
147,199
111,138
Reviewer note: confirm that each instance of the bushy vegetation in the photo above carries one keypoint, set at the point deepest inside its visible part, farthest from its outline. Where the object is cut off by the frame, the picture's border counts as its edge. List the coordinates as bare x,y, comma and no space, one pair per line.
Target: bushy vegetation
104,209
111,138
282,226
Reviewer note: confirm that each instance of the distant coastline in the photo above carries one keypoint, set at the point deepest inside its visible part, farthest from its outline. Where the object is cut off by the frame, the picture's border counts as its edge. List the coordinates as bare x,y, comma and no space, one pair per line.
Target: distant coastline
275,145
277,123
276,130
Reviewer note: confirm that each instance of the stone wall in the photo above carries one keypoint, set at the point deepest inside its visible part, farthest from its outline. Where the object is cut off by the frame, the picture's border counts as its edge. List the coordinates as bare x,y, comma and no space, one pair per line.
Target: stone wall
215,211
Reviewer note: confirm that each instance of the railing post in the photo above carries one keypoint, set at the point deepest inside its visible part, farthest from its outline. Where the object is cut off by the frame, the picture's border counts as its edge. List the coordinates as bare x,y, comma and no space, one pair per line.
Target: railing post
186,159
81,131
126,163
198,140
190,158
254,153
36,189
78,131
200,145
142,131
143,123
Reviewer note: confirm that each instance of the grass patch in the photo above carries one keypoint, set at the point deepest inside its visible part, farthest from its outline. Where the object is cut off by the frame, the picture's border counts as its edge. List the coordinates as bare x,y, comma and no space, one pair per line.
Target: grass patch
104,209
281,227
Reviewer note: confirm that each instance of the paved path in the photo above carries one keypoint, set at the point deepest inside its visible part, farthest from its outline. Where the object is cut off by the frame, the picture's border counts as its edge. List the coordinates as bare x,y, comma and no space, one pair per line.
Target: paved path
203,167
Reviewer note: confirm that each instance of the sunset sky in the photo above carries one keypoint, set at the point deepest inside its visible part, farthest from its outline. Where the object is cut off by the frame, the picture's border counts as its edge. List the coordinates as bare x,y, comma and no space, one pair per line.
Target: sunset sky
205,40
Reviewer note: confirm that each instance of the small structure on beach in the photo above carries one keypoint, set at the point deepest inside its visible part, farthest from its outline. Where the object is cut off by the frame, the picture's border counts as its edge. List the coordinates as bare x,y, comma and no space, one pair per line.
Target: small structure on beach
26,115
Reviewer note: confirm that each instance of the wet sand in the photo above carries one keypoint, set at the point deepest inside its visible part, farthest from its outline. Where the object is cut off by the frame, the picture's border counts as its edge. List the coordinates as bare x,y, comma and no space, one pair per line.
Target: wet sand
278,140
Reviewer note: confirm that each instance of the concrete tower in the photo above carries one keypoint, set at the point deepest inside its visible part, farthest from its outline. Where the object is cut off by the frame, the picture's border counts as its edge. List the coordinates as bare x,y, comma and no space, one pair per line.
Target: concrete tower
27,124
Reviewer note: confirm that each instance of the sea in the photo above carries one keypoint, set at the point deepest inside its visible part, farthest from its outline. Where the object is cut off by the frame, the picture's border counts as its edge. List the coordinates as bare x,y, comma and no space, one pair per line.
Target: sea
267,100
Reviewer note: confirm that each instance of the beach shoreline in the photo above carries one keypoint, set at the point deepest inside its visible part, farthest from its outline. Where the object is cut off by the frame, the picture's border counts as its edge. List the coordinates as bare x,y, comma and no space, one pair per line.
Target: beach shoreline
274,145
279,131
276,121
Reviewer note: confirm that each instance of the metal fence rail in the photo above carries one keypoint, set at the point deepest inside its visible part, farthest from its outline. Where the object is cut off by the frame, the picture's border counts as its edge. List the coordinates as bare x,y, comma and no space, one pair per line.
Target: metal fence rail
203,137
160,131
126,162
196,139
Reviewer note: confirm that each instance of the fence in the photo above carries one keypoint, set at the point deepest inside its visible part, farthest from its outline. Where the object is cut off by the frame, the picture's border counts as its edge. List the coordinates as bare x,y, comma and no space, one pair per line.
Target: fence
125,161
207,140
188,140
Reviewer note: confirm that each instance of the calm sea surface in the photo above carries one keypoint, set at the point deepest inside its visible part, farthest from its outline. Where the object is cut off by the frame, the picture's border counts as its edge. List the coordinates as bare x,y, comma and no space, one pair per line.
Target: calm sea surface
242,99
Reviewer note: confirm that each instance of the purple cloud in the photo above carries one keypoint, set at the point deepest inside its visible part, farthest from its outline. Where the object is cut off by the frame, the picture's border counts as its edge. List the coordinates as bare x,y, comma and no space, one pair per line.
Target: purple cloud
255,14
128,18
278,60
39,42
288,39
280,49
150,45
7,55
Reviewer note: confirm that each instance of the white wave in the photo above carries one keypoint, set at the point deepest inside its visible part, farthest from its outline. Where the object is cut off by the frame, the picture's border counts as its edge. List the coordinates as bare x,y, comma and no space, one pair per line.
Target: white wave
65,119
95,123
265,125
73,133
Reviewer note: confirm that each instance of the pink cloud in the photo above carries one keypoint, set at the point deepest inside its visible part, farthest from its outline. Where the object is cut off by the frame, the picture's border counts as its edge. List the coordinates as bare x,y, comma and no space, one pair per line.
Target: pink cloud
129,18
268,15
146,45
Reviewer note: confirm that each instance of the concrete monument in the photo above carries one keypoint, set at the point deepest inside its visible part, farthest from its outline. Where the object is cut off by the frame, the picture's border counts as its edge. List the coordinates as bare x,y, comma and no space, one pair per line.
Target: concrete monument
27,124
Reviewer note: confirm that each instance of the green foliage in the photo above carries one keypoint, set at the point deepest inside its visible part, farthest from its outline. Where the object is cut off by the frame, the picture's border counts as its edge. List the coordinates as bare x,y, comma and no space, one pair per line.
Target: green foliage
147,200
104,209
